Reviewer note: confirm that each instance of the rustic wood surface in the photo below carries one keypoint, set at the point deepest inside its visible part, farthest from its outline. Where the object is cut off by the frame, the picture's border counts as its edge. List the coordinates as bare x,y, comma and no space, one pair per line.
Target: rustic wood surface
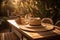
34,35
8,36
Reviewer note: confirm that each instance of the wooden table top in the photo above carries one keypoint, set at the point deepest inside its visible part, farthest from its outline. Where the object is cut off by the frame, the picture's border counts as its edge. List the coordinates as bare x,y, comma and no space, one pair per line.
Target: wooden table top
35,35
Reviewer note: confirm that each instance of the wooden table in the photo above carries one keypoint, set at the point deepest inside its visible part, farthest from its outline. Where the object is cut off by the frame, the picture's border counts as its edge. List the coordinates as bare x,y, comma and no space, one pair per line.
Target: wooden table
32,35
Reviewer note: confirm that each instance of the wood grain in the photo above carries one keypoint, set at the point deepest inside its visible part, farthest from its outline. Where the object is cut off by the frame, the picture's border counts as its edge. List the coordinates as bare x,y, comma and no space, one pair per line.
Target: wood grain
8,36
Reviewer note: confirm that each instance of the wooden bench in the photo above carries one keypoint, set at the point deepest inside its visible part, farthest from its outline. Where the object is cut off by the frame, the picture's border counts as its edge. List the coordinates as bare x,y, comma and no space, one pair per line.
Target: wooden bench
8,36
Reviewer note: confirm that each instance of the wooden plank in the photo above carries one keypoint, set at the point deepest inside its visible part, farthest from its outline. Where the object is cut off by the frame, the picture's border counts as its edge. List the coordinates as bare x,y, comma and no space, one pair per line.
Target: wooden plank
17,33
8,36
